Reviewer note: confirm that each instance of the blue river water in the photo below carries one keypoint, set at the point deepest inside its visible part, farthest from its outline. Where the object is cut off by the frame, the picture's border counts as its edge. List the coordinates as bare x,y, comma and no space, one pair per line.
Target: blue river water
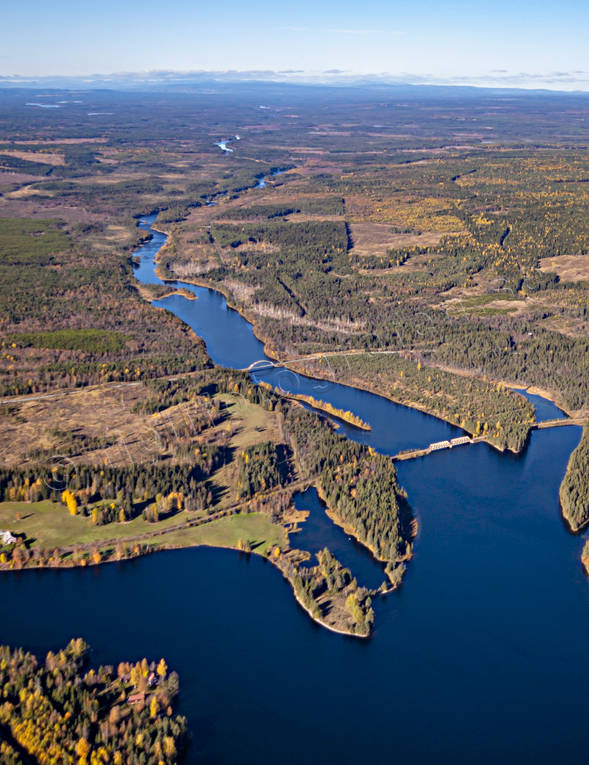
231,342
479,657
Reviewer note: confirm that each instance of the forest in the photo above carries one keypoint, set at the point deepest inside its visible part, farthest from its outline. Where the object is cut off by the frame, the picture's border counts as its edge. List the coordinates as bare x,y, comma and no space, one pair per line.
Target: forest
359,487
62,710
261,467
574,489
130,488
94,313
331,595
480,408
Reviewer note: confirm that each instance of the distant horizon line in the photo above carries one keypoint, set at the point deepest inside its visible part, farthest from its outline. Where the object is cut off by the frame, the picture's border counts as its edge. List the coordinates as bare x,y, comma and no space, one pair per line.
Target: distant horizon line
554,82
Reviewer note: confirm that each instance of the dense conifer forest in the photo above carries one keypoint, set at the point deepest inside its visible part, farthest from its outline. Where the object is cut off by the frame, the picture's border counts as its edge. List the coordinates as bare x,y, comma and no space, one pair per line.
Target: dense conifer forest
574,489
359,487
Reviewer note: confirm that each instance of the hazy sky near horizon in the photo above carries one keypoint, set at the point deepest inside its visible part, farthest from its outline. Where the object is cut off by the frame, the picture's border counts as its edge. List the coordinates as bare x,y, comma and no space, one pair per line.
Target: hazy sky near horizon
511,42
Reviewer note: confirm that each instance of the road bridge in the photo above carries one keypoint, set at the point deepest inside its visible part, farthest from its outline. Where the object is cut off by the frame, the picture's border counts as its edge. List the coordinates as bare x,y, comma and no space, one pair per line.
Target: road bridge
436,446
261,364
560,422
409,454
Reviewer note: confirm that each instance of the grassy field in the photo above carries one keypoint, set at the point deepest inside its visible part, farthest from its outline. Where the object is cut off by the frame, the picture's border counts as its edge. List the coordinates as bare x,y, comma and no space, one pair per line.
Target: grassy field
253,423
48,525
255,528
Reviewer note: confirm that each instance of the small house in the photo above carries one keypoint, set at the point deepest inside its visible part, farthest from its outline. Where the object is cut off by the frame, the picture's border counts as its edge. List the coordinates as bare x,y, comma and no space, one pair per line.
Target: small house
6,538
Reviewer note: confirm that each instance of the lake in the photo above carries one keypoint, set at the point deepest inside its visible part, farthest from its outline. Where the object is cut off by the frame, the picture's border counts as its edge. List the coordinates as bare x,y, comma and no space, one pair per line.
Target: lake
479,657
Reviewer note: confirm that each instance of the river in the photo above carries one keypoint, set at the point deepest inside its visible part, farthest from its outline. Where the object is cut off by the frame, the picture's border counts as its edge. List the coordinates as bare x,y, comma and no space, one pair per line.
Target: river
480,656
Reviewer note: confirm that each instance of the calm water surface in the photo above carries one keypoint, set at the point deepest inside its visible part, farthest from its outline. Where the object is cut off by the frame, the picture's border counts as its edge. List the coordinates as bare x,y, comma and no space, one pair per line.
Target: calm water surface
480,657
318,531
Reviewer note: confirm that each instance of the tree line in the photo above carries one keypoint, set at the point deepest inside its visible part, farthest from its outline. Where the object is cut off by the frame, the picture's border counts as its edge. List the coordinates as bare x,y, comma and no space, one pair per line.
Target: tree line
574,489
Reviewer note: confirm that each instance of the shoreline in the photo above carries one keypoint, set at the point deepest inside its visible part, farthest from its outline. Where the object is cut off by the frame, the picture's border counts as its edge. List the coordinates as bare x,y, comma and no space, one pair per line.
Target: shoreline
270,352
275,356
326,408
534,390
70,565
335,519
318,621
144,293
357,385
180,292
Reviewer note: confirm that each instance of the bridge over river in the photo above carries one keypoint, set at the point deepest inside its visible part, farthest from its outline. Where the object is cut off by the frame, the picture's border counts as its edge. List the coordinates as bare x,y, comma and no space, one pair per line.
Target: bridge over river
409,454
262,364
559,423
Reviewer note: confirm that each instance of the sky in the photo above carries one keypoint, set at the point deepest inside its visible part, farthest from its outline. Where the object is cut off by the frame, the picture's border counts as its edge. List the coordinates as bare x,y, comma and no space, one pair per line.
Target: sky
521,43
